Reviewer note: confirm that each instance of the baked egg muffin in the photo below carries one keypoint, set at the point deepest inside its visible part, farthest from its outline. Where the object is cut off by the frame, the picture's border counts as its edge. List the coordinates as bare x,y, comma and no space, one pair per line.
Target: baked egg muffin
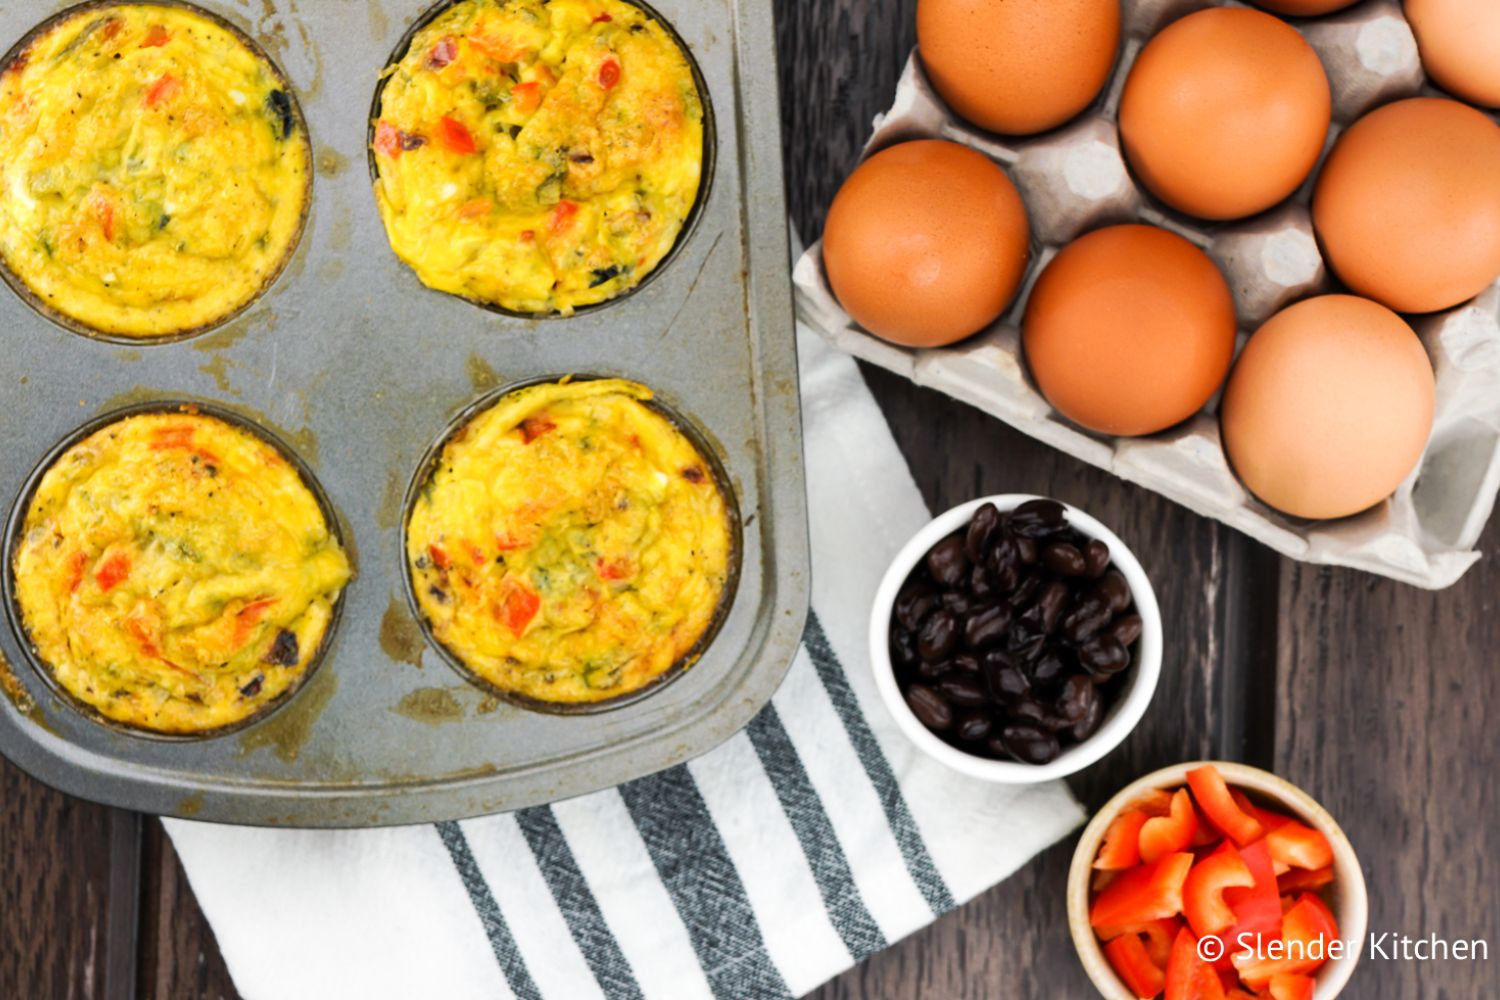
175,573
570,545
156,174
538,155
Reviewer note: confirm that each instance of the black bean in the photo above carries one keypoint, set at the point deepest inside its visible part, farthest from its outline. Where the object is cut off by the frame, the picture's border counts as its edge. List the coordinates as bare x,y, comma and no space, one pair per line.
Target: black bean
1095,558
1008,683
1089,724
1005,561
986,627
947,562
963,690
929,707
1049,669
967,663
1027,710
1104,654
1028,550
1053,599
931,670
1026,592
958,602
975,727
279,109
1030,744
915,601
252,689
982,528
938,635
1038,518
1127,629
903,647
1078,694
982,584
1089,615
284,652
1115,590
1032,648
1063,559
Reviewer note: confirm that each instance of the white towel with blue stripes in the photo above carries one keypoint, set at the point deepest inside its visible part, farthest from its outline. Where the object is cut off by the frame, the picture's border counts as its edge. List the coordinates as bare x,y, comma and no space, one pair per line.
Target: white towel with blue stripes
814,838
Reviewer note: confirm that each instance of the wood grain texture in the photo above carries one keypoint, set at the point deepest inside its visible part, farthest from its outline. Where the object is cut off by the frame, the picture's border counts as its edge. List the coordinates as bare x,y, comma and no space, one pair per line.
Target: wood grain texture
178,954
67,894
1389,705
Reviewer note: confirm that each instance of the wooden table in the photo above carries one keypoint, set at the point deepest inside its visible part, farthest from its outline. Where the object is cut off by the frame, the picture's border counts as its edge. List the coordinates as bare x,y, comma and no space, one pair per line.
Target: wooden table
1380,700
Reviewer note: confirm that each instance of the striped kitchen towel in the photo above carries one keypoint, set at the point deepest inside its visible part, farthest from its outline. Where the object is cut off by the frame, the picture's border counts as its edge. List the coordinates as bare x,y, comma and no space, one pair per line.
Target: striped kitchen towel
812,839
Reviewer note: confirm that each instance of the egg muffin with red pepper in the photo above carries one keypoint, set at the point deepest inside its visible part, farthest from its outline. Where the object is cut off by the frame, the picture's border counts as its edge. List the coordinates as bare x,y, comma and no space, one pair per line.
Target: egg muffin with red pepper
570,545
156,170
538,155
175,572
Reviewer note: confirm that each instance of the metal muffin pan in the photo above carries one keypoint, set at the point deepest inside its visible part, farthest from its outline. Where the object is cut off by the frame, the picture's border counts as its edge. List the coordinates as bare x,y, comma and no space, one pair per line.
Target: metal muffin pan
358,368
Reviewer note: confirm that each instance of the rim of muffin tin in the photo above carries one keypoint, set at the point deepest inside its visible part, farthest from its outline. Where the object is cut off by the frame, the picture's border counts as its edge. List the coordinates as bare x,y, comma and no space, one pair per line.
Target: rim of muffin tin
15,525
427,467
708,170
53,315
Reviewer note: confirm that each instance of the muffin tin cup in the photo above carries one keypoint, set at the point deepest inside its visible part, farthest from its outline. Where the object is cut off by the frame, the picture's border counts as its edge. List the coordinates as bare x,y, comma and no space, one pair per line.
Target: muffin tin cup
360,368
694,435
15,528
30,297
705,180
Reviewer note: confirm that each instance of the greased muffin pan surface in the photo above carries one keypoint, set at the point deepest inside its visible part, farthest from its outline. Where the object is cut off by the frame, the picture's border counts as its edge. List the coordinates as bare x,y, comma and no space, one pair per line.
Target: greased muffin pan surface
359,369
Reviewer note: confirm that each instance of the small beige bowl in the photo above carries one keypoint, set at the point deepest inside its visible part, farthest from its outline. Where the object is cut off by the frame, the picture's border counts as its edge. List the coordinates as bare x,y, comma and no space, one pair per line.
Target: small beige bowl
1347,896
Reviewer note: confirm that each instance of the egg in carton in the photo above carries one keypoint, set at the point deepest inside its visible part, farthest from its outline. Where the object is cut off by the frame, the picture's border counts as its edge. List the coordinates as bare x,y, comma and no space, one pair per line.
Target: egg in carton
1075,179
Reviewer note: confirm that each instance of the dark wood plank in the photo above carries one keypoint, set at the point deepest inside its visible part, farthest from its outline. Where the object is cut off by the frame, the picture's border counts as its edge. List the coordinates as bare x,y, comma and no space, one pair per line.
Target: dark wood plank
179,957
67,893
1388,714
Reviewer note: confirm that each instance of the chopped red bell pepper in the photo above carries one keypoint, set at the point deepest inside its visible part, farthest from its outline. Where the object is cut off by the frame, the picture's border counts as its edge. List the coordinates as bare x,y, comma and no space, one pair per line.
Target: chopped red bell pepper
387,139
443,53
1189,977
1257,909
1164,835
1127,955
1305,880
1269,819
527,96
1160,934
534,427
563,214
1299,846
1157,802
1287,987
113,572
1212,795
1203,900
162,91
609,74
455,136
519,604
1307,931
1122,842
156,37
1149,892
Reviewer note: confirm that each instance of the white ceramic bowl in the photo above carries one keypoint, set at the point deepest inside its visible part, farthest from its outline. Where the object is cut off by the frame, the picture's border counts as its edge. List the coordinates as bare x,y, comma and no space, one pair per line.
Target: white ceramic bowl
1130,703
1349,902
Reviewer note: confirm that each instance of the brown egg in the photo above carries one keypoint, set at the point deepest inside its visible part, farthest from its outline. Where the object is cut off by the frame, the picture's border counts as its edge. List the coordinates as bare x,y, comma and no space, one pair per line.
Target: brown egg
1129,330
1329,407
1304,8
1408,205
1225,113
1460,43
1018,66
926,243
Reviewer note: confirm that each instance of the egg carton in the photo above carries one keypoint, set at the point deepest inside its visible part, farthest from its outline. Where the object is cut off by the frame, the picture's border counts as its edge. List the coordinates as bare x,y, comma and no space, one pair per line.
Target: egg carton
1075,179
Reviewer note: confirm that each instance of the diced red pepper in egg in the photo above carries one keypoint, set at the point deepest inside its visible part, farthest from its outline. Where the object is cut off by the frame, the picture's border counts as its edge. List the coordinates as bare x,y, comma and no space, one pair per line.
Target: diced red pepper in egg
114,571
156,36
162,91
527,96
519,604
455,136
609,74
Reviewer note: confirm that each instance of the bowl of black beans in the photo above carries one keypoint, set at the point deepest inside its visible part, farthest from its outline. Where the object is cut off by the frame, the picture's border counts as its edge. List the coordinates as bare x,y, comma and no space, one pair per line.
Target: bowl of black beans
1016,639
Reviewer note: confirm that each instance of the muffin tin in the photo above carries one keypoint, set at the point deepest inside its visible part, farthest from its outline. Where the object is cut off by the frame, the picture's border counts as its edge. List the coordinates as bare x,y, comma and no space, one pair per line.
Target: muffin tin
359,369
1075,179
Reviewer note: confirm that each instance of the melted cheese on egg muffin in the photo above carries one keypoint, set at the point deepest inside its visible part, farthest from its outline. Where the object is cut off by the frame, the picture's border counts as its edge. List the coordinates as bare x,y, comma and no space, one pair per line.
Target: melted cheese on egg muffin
538,155
571,545
156,171
176,573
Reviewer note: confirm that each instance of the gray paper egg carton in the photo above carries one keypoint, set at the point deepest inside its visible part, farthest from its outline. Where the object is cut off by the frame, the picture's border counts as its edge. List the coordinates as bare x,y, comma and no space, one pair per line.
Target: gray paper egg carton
1075,179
